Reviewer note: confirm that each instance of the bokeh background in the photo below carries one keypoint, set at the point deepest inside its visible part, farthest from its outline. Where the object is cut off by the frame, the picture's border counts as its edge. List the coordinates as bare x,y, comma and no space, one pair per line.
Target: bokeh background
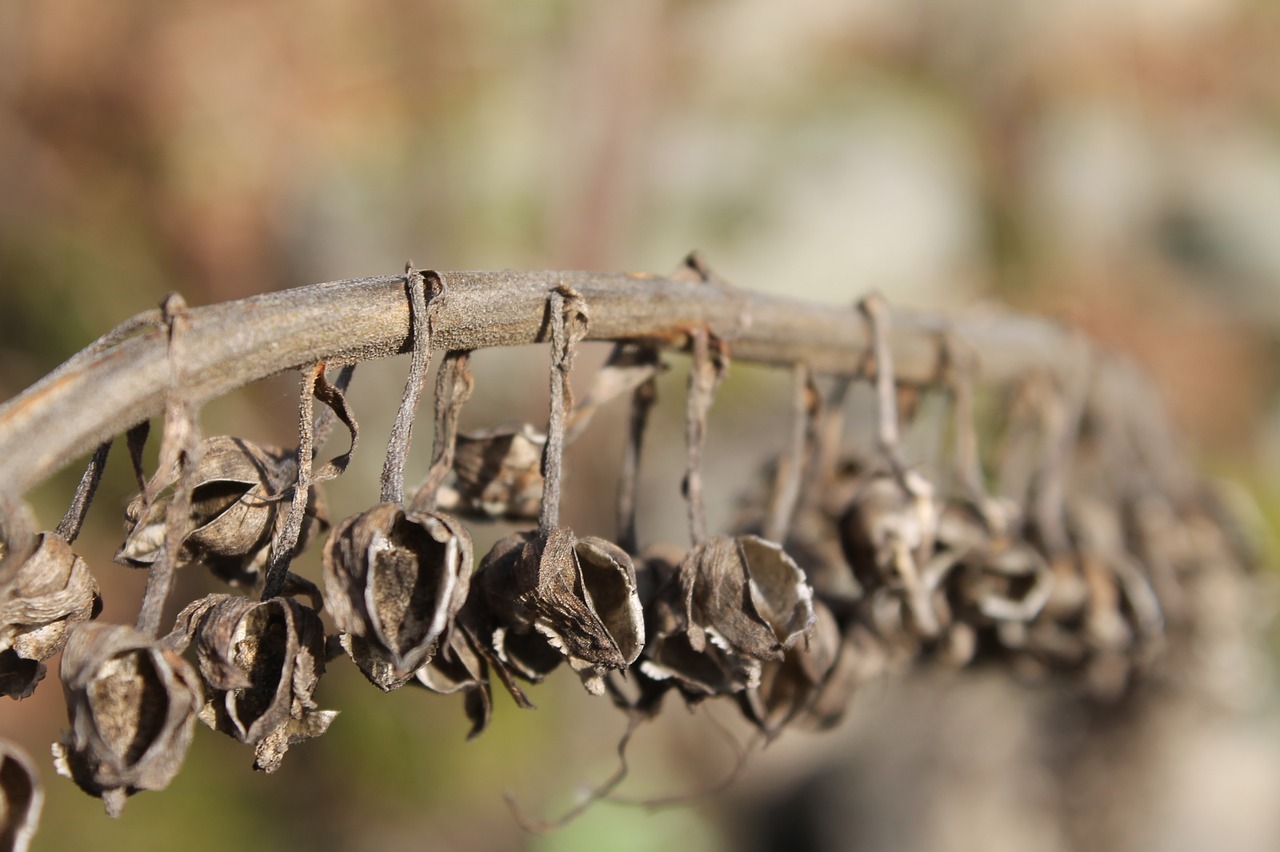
1116,165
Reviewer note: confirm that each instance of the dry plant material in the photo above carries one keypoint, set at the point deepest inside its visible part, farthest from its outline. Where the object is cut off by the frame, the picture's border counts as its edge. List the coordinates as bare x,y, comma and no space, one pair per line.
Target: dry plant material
41,598
132,705
498,473
260,662
21,798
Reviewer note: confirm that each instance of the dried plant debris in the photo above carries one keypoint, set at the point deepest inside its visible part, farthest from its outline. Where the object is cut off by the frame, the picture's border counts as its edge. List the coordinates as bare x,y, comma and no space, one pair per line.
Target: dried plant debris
460,666
132,705
21,798
395,580
498,474
733,604
239,490
41,597
260,662
576,595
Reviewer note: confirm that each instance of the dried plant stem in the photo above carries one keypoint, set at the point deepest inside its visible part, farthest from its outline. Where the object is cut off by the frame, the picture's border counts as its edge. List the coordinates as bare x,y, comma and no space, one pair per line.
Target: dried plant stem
114,385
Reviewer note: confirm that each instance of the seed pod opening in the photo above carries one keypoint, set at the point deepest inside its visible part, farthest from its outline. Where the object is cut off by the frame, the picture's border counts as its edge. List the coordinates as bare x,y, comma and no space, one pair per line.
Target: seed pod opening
499,472
394,582
47,592
132,706
260,662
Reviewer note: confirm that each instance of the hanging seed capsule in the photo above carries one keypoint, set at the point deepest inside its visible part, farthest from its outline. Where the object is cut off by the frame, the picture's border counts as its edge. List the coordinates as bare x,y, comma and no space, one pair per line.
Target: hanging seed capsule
790,686
394,581
47,592
21,798
132,706
577,594
460,667
240,488
260,662
499,473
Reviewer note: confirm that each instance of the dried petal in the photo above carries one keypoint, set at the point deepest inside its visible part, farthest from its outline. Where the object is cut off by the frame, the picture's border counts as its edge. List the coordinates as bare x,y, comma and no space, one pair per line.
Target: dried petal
460,667
240,488
132,705
21,798
49,591
499,473
579,594
260,662
395,580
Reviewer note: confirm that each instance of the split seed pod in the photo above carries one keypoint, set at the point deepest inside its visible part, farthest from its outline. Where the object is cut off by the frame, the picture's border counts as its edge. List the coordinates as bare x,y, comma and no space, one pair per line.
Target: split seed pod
132,705
460,667
260,662
394,581
21,798
498,473
47,592
791,686
577,594
239,489
735,603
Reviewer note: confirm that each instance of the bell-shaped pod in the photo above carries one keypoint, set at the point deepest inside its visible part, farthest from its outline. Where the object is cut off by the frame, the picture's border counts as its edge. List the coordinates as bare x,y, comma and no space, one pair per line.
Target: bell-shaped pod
132,706
260,662
498,472
21,798
394,581
792,685
240,488
42,595
577,594
460,667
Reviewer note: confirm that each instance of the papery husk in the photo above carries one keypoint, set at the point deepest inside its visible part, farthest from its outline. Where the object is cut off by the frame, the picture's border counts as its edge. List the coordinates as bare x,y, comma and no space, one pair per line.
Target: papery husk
395,580
578,594
260,662
132,705
21,798
43,596
240,489
499,473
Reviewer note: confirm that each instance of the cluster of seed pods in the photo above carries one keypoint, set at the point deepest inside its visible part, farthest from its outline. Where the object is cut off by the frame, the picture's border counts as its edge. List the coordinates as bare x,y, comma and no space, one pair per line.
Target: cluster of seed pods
859,565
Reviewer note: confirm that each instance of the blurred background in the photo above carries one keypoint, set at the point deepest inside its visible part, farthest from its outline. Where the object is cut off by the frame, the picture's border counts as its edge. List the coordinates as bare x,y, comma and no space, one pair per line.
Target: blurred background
1116,165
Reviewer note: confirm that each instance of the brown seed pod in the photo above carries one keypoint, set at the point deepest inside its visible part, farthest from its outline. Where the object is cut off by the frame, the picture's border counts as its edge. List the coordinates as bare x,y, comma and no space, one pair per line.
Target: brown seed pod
460,667
240,489
498,473
260,662
132,706
577,594
21,798
394,581
789,687
733,604
43,595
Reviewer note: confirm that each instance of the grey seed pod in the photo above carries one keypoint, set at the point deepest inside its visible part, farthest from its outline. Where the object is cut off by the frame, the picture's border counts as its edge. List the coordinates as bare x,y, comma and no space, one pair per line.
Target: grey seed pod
240,489
260,662
394,581
733,604
578,594
21,798
499,473
132,706
44,595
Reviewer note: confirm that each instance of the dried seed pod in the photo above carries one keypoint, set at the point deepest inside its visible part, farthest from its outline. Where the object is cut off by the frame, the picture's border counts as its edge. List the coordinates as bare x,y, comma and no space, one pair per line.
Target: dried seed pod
46,593
733,604
260,662
578,594
395,580
790,686
132,706
240,489
498,473
460,667
21,798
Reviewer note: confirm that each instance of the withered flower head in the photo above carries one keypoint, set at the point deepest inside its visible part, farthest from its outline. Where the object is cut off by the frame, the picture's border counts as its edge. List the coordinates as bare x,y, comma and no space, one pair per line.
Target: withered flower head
260,662
576,594
132,705
41,597
21,798
733,604
499,472
240,488
395,580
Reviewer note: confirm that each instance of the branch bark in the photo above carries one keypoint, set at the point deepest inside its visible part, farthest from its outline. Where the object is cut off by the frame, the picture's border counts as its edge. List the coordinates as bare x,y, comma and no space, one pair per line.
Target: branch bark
120,380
